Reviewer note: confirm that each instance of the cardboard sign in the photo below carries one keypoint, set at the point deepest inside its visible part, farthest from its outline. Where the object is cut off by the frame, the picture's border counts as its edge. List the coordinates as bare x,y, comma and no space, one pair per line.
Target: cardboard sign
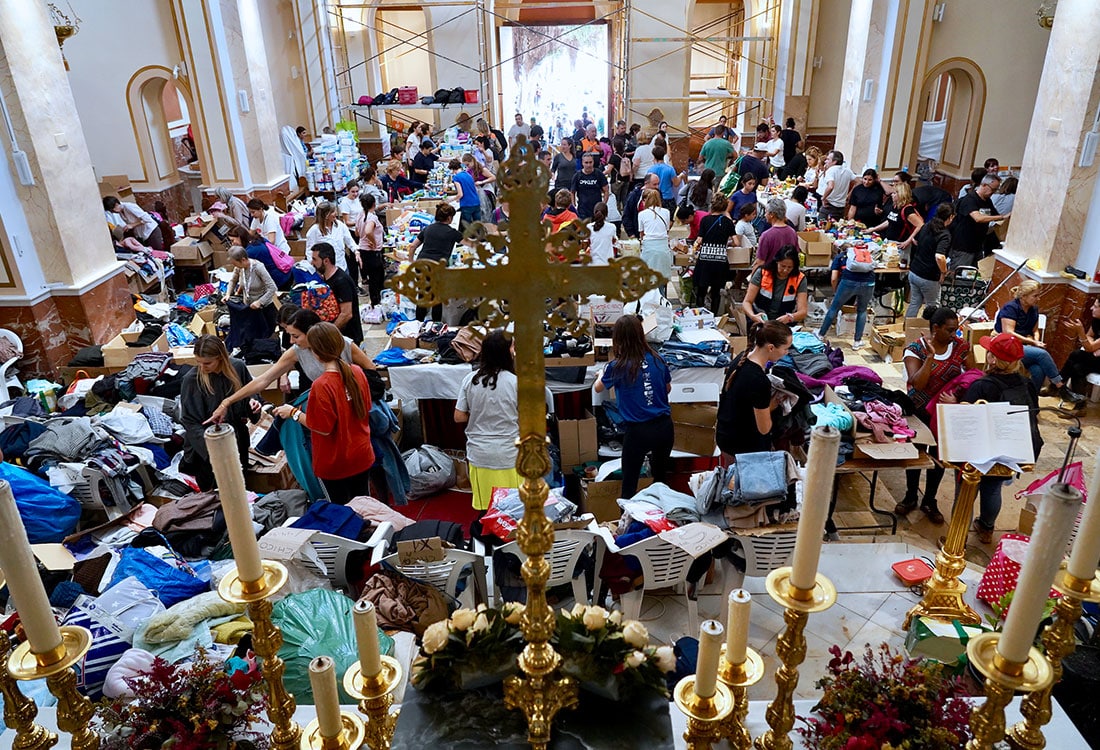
695,538
420,550
887,451
284,543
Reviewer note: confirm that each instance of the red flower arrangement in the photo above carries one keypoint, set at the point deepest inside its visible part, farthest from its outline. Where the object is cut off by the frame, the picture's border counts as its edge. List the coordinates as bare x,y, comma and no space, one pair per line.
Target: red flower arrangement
195,706
886,700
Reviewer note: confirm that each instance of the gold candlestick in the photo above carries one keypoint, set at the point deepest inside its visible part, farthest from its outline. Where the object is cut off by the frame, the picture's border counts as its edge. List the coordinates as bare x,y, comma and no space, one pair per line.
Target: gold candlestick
791,649
705,715
375,696
1002,679
267,639
74,711
739,678
350,738
943,594
19,710
1058,641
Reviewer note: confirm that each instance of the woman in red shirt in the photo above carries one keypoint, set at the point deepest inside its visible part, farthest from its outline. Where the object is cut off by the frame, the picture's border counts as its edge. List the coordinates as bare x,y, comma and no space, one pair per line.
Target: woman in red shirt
337,417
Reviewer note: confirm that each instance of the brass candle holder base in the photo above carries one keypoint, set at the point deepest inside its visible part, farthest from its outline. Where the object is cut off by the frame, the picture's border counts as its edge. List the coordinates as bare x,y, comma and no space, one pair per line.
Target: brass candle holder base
791,649
705,715
20,711
74,711
267,639
739,678
1002,679
350,738
375,696
1058,642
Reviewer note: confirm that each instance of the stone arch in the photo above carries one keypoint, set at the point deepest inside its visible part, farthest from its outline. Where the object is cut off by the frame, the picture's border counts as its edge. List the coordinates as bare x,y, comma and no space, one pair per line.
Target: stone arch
143,100
964,113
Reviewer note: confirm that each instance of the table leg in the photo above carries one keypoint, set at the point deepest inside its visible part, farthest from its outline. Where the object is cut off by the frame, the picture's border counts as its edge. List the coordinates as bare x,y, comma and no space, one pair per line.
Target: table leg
873,483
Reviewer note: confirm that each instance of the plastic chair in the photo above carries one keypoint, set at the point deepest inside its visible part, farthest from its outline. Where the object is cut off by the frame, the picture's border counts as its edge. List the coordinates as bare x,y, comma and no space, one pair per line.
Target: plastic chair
8,379
445,574
564,556
763,554
664,566
91,494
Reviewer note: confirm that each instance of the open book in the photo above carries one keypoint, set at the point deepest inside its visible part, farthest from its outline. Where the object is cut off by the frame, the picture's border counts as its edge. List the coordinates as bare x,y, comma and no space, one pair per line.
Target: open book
982,434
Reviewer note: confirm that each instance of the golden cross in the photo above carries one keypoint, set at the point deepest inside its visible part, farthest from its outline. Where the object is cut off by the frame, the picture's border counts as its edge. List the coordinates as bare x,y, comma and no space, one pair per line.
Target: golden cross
538,266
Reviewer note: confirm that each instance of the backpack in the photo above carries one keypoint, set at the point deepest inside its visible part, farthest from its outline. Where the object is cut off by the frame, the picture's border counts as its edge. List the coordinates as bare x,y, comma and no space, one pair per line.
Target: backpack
859,260
457,96
320,299
626,167
441,96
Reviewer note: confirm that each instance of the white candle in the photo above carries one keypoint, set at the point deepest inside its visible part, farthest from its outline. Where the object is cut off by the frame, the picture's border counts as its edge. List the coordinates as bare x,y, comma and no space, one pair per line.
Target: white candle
366,637
322,678
1057,512
710,651
737,626
221,445
1086,547
817,492
18,566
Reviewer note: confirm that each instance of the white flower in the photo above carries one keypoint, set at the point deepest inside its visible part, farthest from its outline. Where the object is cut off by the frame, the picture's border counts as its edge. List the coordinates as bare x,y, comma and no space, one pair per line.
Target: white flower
578,610
463,618
435,637
513,612
615,617
480,624
595,618
635,659
666,659
635,634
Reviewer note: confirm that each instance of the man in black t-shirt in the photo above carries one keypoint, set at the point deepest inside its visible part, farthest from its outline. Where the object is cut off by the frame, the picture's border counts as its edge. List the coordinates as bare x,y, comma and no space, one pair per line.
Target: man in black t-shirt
791,138
436,242
589,187
973,214
343,289
753,163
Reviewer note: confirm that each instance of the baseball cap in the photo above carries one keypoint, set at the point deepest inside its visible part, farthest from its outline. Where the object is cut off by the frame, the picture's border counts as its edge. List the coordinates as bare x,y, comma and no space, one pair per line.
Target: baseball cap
1004,346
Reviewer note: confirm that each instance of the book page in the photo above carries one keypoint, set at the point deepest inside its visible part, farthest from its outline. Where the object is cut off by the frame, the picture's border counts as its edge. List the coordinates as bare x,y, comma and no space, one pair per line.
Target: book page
1011,432
963,432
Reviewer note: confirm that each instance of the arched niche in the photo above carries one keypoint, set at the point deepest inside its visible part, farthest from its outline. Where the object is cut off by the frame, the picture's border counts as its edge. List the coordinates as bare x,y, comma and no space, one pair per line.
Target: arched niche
962,109
145,93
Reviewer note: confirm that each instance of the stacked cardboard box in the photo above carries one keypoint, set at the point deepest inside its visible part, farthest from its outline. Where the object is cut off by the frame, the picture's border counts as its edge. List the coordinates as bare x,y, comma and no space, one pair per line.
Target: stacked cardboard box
817,247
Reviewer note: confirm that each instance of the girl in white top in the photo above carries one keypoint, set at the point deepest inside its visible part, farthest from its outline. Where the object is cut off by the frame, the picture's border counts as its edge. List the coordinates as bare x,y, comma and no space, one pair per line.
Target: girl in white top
266,222
328,229
775,148
412,143
745,229
603,237
653,225
350,208
813,169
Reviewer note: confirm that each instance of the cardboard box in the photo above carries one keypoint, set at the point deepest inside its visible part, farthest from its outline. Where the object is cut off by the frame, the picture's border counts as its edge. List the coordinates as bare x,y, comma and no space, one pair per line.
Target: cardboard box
585,361
117,353
606,312
297,248
117,185
192,250
577,441
889,341
184,355
694,414
915,328
404,342
271,477
220,258
273,394
694,317
739,256
817,247
599,498
683,260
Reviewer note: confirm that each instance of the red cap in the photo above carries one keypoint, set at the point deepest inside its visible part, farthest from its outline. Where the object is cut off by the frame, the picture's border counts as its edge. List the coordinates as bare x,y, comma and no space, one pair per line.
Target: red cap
1004,346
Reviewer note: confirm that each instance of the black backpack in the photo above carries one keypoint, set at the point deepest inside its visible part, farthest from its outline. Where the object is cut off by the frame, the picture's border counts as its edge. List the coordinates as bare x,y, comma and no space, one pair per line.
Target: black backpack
441,96
391,98
457,96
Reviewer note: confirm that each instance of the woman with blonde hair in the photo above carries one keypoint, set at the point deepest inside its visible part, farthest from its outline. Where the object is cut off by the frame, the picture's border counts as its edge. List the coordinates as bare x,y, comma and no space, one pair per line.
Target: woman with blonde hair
903,219
814,164
214,377
337,417
654,221
1004,381
1020,317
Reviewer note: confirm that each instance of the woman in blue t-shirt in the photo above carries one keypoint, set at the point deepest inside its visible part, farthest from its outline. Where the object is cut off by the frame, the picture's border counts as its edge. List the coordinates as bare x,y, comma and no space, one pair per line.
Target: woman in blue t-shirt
641,380
1020,317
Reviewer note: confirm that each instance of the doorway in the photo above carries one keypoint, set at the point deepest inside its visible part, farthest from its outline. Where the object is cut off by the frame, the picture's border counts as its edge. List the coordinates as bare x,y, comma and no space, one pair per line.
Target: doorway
952,103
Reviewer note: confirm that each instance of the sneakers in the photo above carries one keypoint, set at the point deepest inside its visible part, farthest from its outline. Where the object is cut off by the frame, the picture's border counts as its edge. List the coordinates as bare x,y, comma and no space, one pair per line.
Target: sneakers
933,514
857,345
985,536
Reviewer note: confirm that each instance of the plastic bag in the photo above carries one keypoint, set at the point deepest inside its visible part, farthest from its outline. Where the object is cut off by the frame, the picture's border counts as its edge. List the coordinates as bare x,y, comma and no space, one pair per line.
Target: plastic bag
48,515
171,583
506,511
318,623
430,471
652,303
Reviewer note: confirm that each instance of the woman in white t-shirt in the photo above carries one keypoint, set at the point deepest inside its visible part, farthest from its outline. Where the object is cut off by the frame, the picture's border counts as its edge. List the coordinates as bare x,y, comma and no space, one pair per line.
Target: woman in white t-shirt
412,143
488,402
328,229
266,222
653,226
350,208
775,149
603,236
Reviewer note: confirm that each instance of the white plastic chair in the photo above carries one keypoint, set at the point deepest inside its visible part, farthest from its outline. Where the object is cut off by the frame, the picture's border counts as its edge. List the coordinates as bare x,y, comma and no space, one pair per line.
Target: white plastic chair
763,554
445,574
8,379
90,495
564,556
664,566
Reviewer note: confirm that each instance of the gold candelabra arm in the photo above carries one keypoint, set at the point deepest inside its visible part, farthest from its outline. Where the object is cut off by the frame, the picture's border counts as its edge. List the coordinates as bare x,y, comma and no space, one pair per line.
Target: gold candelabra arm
20,711
1002,680
74,711
375,696
739,678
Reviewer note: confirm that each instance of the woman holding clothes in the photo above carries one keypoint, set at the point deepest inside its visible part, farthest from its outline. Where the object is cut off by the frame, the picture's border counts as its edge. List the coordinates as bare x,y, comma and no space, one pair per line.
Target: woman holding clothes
745,406
928,261
256,289
642,381
337,417
931,362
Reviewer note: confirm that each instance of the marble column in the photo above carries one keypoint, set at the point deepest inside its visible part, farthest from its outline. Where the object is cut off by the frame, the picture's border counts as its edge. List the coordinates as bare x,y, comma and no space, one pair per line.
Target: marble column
794,73
1049,216
865,83
60,284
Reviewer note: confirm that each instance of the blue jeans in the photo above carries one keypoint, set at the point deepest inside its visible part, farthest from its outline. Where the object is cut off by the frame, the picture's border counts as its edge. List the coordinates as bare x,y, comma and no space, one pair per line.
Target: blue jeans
1041,366
470,214
989,500
921,292
845,290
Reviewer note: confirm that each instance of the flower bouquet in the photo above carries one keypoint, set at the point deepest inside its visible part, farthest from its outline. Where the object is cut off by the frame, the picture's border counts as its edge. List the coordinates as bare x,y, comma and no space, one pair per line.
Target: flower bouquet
470,649
885,700
192,706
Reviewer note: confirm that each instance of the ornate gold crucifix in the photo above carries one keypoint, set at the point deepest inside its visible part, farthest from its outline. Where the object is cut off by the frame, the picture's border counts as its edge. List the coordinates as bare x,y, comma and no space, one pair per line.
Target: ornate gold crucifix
539,268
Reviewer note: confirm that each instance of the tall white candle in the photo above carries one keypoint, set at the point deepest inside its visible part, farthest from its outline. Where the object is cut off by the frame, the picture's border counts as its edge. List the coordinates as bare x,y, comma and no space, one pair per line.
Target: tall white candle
737,626
322,678
26,589
817,492
710,651
221,445
366,637
1057,512
1085,555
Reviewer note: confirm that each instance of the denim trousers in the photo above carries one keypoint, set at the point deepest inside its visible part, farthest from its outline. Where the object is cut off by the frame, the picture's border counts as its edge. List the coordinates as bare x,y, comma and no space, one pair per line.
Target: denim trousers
921,292
845,290
1040,365
989,500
